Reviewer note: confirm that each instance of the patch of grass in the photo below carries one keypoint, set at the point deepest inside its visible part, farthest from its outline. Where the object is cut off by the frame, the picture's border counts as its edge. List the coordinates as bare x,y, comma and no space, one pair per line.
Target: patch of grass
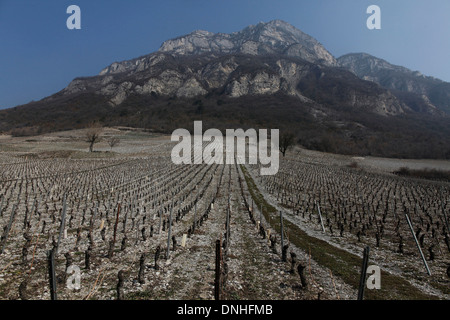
342,263
444,287
258,198
141,295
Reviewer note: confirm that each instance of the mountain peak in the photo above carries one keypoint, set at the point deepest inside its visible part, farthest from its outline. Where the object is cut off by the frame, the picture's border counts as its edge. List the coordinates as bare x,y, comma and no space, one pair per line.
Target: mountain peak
275,37
274,23
278,30
282,25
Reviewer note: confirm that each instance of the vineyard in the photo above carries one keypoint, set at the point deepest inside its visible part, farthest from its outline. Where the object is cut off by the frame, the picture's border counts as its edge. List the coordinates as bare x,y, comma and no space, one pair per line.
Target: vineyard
135,226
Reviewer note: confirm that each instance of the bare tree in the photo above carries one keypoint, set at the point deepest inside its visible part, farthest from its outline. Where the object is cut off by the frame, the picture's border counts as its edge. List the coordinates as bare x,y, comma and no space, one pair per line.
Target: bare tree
287,140
93,135
113,141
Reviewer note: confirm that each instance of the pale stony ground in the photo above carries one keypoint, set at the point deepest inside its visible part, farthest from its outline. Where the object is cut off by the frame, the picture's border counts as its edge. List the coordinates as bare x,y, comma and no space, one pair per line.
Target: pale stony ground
255,272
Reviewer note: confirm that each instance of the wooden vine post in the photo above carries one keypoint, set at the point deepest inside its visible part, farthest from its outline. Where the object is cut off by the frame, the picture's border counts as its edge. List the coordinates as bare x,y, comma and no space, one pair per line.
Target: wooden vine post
111,249
217,281
281,230
170,231
51,273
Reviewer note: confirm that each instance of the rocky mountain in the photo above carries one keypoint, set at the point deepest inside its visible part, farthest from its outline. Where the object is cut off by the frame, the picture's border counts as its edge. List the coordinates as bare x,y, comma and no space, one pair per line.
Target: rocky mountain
433,93
175,70
267,75
264,59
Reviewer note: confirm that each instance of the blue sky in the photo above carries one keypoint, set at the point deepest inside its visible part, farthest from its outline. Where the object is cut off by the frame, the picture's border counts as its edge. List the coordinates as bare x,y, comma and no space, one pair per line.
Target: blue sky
39,56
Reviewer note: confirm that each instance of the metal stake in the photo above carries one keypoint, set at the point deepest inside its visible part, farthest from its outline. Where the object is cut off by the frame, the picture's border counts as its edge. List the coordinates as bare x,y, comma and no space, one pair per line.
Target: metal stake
51,273
363,273
320,216
418,245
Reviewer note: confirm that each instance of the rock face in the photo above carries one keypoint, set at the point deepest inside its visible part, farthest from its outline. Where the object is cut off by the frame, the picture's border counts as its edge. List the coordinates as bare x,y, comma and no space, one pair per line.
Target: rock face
242,75
432,92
